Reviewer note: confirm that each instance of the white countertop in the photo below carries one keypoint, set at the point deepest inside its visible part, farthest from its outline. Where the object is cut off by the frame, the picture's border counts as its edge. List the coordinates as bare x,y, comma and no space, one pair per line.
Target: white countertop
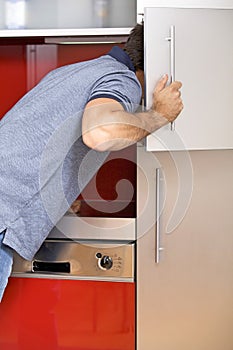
7,33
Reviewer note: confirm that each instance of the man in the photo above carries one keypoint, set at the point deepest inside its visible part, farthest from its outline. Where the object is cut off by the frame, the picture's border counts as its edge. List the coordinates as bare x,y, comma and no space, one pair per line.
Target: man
56,137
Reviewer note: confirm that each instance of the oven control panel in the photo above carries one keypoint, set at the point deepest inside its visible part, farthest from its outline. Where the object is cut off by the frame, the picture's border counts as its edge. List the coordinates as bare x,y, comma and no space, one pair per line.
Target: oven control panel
80,260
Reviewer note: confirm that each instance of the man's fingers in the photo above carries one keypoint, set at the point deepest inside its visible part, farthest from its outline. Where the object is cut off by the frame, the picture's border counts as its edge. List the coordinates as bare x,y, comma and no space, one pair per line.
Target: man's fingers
176,85
161,83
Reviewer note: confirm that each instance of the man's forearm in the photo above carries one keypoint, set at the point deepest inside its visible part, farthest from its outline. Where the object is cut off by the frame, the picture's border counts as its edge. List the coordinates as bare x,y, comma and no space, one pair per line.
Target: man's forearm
126,128
118,129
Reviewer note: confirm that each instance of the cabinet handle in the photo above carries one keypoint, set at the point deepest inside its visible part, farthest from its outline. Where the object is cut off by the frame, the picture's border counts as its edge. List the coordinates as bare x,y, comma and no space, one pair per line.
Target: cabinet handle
158,224
171,39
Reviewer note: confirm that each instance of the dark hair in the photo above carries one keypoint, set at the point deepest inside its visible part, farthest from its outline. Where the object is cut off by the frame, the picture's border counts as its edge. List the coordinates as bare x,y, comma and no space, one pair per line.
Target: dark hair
134,46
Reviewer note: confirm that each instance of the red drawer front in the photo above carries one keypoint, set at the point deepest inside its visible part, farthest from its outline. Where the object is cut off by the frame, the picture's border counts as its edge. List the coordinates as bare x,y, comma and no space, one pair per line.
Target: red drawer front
51,314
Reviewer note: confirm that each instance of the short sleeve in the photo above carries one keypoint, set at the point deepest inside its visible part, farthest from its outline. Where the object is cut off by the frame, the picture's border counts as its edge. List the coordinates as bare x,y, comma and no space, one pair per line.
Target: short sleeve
121,86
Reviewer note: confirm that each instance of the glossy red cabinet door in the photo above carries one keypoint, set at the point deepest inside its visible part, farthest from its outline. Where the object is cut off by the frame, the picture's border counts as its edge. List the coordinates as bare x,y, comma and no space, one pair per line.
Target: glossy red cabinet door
13,76
51,314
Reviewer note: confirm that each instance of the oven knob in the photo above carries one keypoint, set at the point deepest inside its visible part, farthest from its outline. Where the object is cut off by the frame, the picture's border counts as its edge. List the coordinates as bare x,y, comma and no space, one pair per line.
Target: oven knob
105,262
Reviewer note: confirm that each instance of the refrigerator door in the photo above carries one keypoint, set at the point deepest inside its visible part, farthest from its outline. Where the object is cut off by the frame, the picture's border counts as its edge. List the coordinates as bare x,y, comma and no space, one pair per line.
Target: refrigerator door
195,47
185,294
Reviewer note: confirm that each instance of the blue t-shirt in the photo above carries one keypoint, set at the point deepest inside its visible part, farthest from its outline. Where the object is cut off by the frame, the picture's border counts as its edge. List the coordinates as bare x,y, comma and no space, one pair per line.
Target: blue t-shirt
44,165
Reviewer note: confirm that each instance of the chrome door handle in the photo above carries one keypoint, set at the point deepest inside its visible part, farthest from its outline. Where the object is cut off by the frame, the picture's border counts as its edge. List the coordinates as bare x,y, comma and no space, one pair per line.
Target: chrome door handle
158,223
171,39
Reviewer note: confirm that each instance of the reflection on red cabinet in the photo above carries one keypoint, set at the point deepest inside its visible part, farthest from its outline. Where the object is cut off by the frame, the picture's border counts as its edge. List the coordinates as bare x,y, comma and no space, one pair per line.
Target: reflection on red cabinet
13,76
112,192
49,314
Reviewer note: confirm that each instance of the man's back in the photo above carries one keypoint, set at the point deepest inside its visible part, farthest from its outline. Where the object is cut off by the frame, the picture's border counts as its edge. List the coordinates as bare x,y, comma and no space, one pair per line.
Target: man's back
42,150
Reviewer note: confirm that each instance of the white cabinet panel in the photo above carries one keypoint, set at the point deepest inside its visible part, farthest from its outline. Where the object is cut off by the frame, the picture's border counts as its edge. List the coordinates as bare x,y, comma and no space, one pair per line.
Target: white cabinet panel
141,4
204,63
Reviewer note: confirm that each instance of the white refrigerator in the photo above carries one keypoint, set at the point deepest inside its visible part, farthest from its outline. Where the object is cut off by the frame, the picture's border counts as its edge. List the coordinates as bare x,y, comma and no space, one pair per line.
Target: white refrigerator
185,187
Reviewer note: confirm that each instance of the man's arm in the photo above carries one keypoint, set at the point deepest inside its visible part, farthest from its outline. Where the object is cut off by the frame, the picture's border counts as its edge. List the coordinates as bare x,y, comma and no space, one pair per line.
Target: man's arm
107,126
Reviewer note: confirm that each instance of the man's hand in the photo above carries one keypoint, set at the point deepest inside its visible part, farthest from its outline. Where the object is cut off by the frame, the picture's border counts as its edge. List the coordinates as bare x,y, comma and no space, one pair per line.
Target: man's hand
75,207
166,99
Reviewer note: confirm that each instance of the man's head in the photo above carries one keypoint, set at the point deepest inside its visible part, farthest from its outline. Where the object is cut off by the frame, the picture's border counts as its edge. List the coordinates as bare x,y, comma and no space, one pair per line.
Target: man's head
134,46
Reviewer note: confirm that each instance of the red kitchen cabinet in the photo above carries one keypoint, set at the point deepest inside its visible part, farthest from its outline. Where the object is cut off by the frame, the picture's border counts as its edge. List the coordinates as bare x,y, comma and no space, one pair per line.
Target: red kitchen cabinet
13,76
52,314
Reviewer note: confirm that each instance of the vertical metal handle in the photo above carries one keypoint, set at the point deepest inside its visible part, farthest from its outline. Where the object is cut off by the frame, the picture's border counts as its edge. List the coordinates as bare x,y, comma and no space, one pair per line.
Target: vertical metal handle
172,48
158,224
31,66
171,39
